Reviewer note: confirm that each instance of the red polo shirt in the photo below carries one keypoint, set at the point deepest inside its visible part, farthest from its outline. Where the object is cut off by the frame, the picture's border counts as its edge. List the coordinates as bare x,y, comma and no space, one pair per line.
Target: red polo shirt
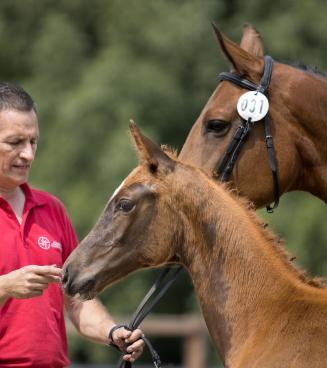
32,331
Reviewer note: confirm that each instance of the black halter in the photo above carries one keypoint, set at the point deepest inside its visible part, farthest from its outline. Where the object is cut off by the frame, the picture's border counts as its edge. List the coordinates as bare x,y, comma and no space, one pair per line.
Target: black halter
226,165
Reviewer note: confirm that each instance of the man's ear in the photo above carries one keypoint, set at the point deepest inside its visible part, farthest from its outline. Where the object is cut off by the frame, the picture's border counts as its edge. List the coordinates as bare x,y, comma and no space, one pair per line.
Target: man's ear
149,152
244,62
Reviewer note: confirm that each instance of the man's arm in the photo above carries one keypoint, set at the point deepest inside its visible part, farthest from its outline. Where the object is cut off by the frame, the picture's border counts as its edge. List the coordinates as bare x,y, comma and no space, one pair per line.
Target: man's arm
93,321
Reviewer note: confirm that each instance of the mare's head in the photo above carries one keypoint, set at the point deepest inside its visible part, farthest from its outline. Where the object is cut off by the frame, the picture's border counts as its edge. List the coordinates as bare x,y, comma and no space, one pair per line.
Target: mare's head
137,228
216,125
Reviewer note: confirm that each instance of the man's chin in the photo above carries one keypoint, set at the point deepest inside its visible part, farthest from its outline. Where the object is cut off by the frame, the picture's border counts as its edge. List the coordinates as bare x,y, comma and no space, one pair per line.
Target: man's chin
17,181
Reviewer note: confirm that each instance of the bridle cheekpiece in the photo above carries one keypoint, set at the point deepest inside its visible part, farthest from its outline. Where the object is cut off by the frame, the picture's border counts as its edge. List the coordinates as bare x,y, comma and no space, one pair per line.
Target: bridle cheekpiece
227,163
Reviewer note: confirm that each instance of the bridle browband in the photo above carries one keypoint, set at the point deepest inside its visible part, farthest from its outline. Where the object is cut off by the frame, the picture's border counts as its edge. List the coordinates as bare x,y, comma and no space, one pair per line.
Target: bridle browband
227,163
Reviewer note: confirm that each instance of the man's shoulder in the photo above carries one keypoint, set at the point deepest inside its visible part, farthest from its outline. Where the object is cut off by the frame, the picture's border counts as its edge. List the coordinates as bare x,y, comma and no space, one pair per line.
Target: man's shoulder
42,197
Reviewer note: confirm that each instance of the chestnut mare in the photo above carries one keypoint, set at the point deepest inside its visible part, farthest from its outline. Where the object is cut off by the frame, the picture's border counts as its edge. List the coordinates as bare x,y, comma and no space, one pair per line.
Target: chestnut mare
261,312
298,118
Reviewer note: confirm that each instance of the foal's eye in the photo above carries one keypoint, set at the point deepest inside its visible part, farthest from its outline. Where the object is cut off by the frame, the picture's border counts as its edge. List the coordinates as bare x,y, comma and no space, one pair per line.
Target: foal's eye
125,205
218,127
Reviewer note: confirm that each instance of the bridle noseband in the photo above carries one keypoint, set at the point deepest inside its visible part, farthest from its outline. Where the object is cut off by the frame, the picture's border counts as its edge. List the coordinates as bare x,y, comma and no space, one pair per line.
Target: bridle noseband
227,163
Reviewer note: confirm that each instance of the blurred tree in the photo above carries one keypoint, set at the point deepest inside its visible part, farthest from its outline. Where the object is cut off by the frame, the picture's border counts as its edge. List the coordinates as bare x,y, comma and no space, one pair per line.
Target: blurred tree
91,66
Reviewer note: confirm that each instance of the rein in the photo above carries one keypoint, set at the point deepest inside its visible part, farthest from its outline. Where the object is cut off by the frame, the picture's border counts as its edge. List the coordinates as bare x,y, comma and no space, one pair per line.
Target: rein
241,134
165,279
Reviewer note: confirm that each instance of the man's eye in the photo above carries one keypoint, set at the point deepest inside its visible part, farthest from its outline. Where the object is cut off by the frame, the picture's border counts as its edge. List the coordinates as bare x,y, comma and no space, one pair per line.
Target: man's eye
14,143
125,205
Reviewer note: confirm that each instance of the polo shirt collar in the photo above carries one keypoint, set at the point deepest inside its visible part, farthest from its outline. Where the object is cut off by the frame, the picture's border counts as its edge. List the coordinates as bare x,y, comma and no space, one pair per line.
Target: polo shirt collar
31,200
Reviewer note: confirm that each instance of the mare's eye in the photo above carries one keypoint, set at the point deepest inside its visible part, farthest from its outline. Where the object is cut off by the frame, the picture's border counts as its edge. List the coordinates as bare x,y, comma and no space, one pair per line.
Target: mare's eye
218,127
125,205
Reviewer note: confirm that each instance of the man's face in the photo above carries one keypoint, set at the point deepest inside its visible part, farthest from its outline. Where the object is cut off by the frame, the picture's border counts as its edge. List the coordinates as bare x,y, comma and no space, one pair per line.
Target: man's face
19,133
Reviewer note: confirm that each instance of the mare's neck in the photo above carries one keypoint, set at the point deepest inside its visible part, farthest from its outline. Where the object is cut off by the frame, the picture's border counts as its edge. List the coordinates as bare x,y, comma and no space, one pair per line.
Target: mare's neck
232,266
304,108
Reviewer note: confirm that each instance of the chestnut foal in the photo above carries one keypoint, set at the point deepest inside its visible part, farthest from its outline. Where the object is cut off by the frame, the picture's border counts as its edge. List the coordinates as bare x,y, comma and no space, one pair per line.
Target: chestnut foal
261,312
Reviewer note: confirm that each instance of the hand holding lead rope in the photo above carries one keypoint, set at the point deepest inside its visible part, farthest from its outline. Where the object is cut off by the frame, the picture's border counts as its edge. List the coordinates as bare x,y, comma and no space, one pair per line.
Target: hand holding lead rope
156,292
128,342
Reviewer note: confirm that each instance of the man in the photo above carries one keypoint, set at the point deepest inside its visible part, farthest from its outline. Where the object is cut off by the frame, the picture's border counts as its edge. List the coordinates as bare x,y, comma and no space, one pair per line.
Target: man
36,238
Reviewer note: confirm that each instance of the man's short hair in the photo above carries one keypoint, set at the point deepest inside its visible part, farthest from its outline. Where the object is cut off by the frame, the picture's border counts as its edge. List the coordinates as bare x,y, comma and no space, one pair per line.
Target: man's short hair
14,97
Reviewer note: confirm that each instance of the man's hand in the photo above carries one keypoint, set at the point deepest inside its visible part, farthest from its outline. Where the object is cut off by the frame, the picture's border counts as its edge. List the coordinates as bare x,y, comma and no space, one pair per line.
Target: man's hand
121,337
28,281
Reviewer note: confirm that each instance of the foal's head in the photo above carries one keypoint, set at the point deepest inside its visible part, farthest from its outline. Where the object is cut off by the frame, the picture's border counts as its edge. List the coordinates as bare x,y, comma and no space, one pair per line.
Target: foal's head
137,228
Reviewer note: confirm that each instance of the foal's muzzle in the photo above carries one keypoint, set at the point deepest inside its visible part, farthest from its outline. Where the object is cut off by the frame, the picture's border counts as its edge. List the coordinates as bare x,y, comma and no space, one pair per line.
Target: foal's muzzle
72,286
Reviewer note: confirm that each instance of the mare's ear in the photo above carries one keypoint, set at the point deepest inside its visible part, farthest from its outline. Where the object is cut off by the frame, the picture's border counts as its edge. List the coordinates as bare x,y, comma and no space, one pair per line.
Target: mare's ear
149,152
252,41
244,62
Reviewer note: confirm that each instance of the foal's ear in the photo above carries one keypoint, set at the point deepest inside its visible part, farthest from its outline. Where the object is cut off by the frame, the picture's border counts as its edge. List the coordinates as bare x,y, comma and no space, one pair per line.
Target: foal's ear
149,152
243,61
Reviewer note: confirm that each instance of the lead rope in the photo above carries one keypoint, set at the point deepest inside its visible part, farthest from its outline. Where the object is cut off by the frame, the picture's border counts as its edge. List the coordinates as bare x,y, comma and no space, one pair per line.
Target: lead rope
165,279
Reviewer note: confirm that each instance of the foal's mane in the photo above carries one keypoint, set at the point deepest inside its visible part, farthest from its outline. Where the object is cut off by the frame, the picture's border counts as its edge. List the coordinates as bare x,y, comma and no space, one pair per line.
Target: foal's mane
274,241
271,238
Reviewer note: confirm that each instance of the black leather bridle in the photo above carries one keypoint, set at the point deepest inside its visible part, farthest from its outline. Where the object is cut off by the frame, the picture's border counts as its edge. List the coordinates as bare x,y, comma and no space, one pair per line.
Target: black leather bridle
227,163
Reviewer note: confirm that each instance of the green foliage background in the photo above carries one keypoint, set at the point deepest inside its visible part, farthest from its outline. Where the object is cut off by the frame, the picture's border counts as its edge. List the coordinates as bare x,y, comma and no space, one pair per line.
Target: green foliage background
93,65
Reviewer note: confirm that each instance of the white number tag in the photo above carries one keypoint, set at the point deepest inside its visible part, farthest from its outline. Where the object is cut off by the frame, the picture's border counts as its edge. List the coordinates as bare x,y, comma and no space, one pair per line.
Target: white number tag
253,105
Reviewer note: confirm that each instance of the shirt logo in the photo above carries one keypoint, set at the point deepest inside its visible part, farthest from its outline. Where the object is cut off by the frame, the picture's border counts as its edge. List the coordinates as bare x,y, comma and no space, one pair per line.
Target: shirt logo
45,243
56,245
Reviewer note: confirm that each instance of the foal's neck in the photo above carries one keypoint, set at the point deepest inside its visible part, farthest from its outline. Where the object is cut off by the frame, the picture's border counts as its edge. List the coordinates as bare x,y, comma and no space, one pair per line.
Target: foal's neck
236,270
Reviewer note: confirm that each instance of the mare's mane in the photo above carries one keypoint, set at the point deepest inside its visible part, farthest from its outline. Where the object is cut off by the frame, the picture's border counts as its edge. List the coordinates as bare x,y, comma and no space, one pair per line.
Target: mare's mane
311,69
271,238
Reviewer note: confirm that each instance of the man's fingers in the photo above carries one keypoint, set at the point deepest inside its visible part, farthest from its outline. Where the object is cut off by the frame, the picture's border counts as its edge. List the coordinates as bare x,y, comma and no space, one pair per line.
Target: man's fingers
132,357
49,279
46,270
44,279
134,336
129,358
136,346
136,354
120,335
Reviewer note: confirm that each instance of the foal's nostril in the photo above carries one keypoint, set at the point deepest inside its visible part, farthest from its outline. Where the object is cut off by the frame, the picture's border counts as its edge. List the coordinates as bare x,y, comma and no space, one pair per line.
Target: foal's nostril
87,285
65,275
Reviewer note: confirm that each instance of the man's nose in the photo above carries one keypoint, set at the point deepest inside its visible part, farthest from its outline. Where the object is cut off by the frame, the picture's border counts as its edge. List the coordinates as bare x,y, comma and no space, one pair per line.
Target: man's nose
28,152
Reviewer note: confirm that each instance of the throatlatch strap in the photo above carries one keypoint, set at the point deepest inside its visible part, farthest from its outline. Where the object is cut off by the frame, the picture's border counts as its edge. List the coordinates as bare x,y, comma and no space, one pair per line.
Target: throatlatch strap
273,164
